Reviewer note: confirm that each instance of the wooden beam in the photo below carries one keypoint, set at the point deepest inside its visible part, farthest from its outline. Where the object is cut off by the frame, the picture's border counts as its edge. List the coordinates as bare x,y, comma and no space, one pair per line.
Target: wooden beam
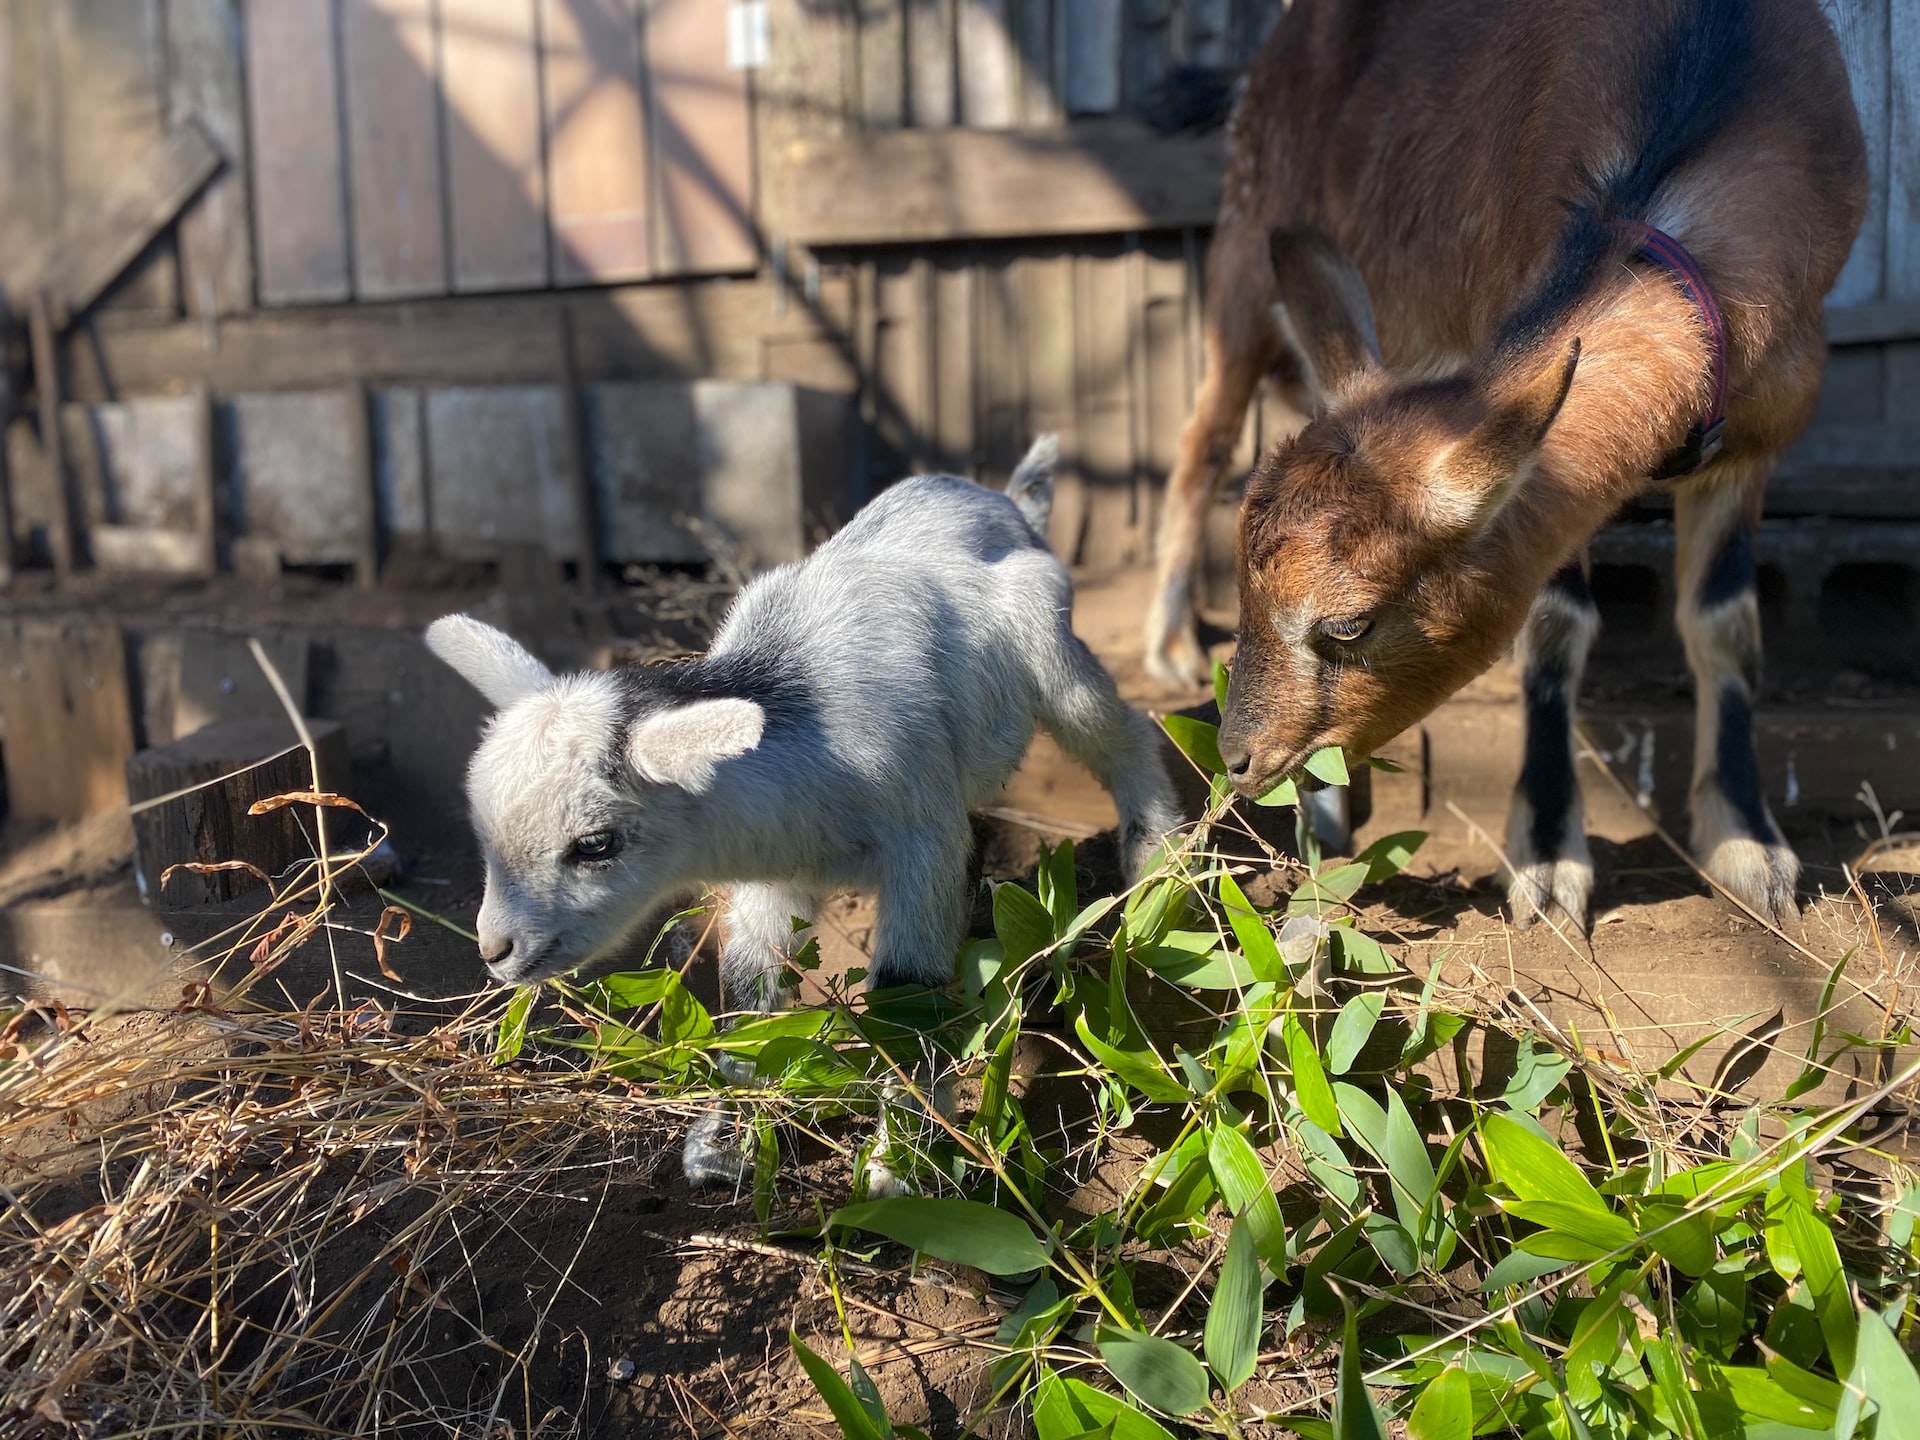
1874,323
906,186
46,388
715,329
93,246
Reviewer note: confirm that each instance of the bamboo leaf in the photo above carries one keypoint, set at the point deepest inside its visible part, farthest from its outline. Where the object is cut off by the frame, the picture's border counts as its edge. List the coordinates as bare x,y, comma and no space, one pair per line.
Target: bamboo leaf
965,1232
1021,923
1250,929
1354,1415
1886,1376
1149,1076
1444,1410
1310,1087
1198,740
847,1410
1064,1409
1388,856
1352,1030
1233,1319
1155,1371
1287,792
1533,1168
1328,766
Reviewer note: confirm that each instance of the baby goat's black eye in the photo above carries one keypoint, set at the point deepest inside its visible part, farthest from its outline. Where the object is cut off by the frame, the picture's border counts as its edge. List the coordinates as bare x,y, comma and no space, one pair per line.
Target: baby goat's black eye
601,845
1348,630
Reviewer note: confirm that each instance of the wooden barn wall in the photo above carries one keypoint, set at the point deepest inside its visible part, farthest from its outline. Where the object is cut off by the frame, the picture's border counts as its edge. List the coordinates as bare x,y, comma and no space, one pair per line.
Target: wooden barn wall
939,208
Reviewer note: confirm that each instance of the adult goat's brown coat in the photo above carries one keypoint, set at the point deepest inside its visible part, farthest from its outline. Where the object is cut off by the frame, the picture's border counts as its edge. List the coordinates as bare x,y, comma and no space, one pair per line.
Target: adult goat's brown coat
1423,237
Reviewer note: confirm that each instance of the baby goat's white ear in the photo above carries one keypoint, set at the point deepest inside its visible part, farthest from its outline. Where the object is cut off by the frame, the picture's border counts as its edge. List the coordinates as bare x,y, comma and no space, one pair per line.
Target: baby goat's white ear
492,661
682,746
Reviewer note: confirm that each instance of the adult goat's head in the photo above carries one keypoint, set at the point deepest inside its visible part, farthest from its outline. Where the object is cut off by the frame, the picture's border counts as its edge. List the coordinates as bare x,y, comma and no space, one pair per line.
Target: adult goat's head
1379,566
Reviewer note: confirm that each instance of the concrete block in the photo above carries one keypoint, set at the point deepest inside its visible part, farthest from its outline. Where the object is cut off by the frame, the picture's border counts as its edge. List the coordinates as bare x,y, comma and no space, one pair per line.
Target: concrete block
400,462
643,443
138,463
294,479
496,469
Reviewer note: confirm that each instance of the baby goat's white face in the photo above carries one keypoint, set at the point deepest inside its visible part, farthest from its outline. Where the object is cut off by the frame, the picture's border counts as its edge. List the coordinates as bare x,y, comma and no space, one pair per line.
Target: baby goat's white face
583,816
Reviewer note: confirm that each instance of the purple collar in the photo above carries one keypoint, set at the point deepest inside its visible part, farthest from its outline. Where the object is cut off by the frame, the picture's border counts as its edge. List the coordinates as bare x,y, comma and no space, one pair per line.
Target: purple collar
1703,441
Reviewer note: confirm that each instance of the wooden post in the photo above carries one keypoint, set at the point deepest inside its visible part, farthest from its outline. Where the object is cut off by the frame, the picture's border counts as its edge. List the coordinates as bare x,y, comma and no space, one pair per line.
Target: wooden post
578,461
206,482
46,385
366,556
7,397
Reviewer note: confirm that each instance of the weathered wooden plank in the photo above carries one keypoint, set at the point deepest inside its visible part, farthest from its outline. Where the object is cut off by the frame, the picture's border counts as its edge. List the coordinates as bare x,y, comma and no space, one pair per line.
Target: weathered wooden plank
902,381
1048,318
496,184
1861,26
716,328
905,186
293,103
883,63
103,234
805,89
1103,367
44,343
1092,79
930,63
1148,45
110,80
204,83
954,357
393,148
1208,27
989,66
1033,29
69,723
1903,198
703,142
1870,324
1000,371
598,171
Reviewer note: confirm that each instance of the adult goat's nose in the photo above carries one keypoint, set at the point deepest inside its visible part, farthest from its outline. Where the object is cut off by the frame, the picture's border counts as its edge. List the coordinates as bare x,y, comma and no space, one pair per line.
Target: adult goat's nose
1236,754
494,950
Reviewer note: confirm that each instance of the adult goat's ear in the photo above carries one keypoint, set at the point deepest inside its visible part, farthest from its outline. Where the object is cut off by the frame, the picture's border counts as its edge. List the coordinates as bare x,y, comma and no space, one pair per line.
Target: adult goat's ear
493,662
1323,312
684,745
1471,479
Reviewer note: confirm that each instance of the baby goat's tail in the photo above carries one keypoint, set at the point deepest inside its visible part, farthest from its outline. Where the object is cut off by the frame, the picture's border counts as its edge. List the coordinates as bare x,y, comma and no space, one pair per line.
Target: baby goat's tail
1031,488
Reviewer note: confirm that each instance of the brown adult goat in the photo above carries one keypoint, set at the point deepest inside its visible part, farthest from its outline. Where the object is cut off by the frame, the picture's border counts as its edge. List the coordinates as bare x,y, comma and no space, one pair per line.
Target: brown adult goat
1508,180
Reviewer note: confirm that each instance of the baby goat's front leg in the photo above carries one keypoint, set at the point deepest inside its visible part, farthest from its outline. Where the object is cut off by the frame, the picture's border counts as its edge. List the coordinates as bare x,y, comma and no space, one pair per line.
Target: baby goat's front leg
760,940
922,912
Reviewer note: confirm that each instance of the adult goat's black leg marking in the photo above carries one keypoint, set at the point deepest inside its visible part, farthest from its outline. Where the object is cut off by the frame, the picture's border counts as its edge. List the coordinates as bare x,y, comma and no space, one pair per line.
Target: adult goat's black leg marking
1734,835
1546,837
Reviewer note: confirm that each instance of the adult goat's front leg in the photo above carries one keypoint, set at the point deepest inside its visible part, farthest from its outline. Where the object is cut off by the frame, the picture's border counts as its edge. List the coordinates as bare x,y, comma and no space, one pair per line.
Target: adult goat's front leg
760,938
1546,826
921,916
1734,836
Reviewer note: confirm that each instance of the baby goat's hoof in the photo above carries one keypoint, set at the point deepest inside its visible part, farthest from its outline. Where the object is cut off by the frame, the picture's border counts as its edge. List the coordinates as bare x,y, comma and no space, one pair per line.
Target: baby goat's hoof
715,1154
1761,876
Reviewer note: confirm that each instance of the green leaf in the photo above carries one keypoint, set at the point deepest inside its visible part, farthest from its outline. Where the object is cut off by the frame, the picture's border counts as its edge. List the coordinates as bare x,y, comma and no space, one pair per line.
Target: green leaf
1352,1029
1683,1240
1811,1070
1310,1087
1250,929
1149,1076
1388,856
1220,682
1328,766
1065,1409
1799,1243
855,1424
1762,1397
1408,1164
1520,1266
1287,792
1198,740
1155,1371
1601,1229
1021,922
1354,1415
1245,1186
1444,1410
1233,1319
1886,1376
1058,884
513,1025
965,1232
1209,970
1533,1168
683,1019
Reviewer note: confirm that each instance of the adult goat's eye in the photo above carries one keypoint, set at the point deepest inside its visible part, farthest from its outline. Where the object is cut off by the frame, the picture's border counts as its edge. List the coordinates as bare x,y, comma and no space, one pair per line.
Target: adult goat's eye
1348,630
601,845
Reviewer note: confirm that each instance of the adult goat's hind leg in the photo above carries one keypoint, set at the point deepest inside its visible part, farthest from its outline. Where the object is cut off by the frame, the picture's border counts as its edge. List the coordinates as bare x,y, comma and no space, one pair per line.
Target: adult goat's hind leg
1546,826
1084,712
1733,833
759,940
1240,349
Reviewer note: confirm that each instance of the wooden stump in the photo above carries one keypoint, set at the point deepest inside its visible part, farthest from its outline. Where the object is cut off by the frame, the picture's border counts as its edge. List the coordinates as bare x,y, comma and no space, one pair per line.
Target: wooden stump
212,825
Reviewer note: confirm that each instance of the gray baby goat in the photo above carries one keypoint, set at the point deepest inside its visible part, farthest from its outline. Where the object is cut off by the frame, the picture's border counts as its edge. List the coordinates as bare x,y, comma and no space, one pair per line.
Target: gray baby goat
854,707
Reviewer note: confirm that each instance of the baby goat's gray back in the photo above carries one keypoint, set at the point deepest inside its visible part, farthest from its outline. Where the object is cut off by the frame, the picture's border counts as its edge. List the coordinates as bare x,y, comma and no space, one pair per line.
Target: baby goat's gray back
922,627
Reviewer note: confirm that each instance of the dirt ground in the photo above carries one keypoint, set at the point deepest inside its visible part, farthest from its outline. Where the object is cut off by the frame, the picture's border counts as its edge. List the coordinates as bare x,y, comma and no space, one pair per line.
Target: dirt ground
662,1311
